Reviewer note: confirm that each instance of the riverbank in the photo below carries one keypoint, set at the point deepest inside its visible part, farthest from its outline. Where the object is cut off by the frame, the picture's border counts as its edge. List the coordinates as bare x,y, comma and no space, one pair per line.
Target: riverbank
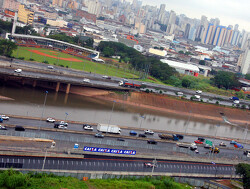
177,106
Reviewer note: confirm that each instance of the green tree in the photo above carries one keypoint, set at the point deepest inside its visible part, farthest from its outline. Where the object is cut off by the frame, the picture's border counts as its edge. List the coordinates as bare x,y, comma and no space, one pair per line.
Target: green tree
181,52
186,83
225,79
243,170
107,52
7,47
202,62
247,76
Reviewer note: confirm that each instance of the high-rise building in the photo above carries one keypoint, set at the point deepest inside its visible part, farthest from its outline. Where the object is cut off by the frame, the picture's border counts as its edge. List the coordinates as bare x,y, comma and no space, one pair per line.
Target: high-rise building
245,64
219,36
228,38
187,29
192,32
161,13
25,15
10,4
57,2
171,22
94,7
208,35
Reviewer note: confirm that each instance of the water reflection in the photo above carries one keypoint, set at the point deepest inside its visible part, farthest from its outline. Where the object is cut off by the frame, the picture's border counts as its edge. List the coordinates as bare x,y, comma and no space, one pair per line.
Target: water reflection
29,102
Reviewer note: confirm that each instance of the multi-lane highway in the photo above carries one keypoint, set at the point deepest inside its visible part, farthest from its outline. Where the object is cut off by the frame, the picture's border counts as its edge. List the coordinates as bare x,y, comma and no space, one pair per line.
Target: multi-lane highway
76,76
102,163
69,137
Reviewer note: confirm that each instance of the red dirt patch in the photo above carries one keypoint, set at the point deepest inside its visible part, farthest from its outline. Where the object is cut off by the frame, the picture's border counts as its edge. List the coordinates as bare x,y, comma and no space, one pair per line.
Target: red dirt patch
43,54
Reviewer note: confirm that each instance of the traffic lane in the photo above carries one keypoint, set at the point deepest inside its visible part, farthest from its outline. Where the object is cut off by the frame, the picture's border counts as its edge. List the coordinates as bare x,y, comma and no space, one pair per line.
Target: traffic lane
141,145
124,132
129,165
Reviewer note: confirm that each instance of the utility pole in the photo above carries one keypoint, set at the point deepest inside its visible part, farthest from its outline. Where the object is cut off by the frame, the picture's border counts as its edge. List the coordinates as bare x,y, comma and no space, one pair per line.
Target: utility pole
154,164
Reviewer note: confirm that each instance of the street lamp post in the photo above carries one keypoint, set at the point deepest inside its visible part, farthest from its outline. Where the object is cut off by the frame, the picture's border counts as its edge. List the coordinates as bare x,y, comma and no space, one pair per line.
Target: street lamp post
213,146
45,99
190,112
66,114
142,120
111,114
44,160
154,164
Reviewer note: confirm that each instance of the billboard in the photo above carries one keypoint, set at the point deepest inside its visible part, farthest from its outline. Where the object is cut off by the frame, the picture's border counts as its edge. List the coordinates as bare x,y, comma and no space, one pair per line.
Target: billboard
108,150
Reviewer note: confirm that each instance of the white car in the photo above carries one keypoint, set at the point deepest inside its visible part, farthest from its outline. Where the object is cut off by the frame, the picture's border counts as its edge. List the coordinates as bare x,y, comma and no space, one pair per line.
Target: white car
86,80
88,127
2,127
149,132
179,93
236,102
50,67
197,96
18,70
51,120
63,123
105,76
4,117
198,92
62,127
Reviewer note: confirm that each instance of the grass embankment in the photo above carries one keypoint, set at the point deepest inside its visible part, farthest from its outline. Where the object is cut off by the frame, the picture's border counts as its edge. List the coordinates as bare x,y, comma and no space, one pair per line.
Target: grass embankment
88,66
13,179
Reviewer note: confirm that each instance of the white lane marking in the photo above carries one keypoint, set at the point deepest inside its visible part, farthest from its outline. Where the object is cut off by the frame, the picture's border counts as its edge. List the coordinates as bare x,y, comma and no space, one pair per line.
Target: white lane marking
53,162
29,161
72,162
77,163
23,161
81,162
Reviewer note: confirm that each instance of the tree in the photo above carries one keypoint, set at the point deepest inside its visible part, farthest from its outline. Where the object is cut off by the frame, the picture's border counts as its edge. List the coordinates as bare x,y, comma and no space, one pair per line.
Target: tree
243,170
225,79
181,52
7,47
186,83
247,76
107,52
202,62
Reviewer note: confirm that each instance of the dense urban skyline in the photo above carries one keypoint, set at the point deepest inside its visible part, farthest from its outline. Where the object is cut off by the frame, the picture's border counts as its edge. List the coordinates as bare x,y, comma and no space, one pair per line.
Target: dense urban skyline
228,11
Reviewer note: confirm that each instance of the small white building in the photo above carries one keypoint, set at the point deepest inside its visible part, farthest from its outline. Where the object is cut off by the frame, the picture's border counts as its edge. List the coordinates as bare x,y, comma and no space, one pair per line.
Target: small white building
183,68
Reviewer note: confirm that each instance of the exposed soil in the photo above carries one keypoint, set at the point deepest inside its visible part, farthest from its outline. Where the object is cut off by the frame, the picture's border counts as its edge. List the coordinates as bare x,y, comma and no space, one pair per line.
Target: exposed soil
44,54
178,106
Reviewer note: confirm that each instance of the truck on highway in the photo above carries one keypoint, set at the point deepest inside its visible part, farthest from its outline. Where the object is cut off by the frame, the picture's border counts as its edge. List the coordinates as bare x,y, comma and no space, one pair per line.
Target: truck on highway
105,128
168,137
234,98
129,84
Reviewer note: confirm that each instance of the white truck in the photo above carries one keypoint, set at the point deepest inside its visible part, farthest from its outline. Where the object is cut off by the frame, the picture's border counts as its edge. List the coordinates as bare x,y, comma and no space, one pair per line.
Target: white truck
105,128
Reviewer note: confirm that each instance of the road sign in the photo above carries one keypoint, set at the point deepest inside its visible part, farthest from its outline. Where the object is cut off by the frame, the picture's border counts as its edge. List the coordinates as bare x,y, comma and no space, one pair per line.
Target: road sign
209,142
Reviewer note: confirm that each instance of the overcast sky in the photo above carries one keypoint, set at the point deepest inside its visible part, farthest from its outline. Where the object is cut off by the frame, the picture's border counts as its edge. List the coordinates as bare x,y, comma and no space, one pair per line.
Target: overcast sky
230,12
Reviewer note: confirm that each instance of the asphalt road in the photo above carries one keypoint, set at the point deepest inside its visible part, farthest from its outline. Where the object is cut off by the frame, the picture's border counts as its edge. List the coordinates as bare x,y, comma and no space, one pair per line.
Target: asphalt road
96,79
99,163
67,140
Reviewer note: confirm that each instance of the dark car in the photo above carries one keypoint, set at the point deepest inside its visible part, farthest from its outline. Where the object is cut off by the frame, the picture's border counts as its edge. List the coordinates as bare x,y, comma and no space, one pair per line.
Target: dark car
201,139
142,135
3,127
180,136
120,139
19,128
152,142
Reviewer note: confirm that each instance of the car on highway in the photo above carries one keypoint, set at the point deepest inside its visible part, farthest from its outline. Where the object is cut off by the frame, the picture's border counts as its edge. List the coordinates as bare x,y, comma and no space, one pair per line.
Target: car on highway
18,70
246,152
198,91
222,144
215,150
149,132
149,165
207,146
198,142
180,94
87,127
106,77
4,117
120,139
50,67
60,126
99,135
1,120
2,127
236,101
197,96
142,135
151,141
51,120
63,123
133,133
233,142
86,80
193,146
19,128
201,139
179,136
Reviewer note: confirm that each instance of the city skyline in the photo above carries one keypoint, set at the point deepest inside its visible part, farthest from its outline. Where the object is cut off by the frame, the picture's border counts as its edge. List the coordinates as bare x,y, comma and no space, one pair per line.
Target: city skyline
229,12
